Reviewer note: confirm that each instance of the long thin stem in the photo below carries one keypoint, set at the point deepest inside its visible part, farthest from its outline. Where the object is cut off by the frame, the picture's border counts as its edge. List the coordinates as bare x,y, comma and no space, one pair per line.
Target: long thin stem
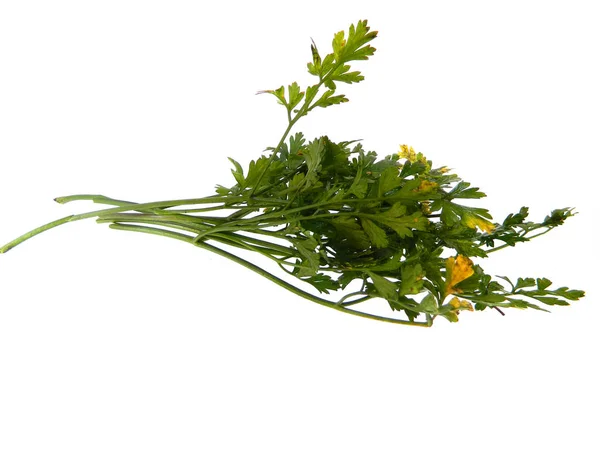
495,249
36,231
336,204
264,273
261,246
260,221
356,301
125,206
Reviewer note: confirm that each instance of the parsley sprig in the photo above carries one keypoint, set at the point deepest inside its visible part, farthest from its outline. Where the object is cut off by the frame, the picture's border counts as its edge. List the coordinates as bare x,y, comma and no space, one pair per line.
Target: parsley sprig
353,226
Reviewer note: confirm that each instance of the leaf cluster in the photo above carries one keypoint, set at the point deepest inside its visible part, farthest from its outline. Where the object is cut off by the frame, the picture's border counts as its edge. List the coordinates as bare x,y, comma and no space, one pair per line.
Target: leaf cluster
331,69
347,222
389,225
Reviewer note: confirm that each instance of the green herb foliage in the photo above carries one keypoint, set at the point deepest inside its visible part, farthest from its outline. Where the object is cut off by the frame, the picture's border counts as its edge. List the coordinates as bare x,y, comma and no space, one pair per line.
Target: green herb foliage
338,218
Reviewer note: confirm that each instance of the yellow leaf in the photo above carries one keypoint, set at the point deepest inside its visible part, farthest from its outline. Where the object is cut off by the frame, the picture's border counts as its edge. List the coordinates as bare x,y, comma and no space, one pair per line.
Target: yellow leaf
457,270
427,186
457,303
473,221
407,152
465,304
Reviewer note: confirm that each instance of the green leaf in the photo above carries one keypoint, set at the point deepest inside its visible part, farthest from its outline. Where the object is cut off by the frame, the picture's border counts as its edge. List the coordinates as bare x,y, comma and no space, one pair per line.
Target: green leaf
462,190
341,74
522,304
549,300
347,277
222,190
463,239
295,96
335,160
494,286
292,158
338,44
327,64
279,93
323,283
470,217
429,304
314,68
385,287
448,215
542,294
557,217
328,99
524,282
543,283
403,226
296,142
517,218
376,235
400,223
411,279
411,308
465,247
389,265
356,47
396,210
351,232
334,68
349,77
329,84
296,182
410,191
488,299
238,173
256,169
359,187
412,168
508,281
310,259
388,181
313,154
570,294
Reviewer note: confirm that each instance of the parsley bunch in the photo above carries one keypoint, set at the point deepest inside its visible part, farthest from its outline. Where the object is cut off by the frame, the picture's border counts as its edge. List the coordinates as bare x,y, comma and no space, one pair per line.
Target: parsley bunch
339,218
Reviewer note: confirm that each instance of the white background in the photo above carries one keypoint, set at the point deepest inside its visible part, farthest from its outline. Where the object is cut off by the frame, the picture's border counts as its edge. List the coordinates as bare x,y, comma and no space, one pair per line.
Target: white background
125,341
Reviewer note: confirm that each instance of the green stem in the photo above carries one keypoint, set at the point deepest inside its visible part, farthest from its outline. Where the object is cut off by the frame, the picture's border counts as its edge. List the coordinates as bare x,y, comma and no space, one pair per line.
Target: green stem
240,243
228,200
357,301
266,248
274,154
36,231
260,222
203,222
264,273
495,249
337,203
124,207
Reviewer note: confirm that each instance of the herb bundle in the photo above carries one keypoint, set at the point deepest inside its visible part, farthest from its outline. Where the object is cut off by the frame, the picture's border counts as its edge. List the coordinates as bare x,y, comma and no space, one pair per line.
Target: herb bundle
338,218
